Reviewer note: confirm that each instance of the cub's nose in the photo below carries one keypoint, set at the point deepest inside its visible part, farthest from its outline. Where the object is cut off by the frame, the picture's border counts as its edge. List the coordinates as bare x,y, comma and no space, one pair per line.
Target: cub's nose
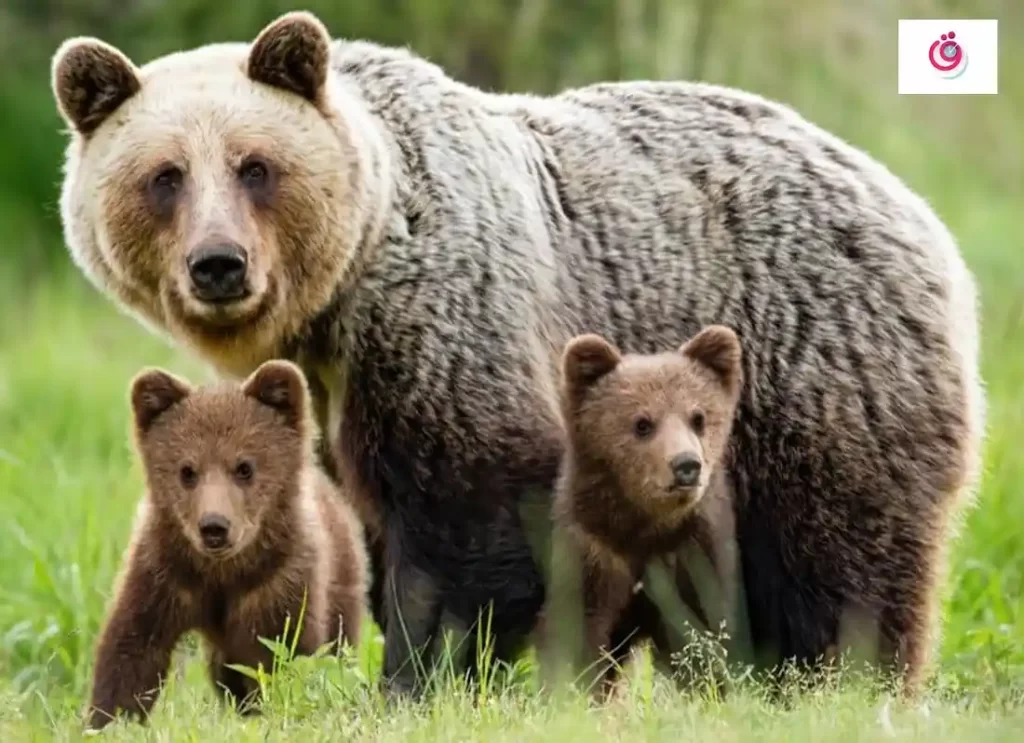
213,530
686,468
217,271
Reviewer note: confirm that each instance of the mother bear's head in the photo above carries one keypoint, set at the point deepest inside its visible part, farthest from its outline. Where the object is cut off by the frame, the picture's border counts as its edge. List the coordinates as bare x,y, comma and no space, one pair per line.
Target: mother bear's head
221,193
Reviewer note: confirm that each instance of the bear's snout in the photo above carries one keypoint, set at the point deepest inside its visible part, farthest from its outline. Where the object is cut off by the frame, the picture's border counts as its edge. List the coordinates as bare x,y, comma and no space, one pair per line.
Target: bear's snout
218,271
213,530
686,469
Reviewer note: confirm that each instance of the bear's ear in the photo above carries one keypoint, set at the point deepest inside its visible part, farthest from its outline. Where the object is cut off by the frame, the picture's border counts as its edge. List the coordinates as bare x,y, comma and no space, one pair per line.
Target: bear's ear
292,53
90,80
153,392
282,386
718,348
586,359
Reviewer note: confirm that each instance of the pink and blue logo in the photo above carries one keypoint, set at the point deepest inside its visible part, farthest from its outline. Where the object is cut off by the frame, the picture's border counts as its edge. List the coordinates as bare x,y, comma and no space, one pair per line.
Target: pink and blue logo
947,56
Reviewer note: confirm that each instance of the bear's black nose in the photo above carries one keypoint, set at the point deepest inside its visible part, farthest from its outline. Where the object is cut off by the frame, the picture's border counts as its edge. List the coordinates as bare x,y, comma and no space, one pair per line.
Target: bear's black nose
686,468
213,529
217,271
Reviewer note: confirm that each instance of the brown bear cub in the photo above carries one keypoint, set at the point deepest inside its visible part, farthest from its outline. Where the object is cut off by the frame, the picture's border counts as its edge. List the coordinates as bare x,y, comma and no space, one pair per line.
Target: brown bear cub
238,528
643,477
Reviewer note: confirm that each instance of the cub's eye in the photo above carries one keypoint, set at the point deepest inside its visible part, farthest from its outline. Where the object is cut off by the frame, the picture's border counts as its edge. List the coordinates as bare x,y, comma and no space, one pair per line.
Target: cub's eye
643,427
189,477
243,471
697,423
254,173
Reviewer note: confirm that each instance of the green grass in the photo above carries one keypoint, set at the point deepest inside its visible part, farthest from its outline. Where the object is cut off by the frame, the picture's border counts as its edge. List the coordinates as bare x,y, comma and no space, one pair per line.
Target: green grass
69,483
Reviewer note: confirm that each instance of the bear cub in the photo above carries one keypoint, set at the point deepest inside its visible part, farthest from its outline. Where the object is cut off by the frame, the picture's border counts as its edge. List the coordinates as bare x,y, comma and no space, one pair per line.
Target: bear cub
643,478
237,528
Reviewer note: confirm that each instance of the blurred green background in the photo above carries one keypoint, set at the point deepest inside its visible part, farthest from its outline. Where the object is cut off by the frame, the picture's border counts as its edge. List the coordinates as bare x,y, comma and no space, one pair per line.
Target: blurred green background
68,478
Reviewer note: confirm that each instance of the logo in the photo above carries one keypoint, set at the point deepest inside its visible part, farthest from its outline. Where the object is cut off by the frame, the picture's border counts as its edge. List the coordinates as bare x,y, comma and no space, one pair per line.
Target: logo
947,56
932,57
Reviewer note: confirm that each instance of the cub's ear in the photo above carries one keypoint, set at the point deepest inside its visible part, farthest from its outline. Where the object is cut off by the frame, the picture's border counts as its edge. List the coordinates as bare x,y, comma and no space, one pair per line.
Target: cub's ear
90,80
153,392
292,53
718,348
282,386
586,359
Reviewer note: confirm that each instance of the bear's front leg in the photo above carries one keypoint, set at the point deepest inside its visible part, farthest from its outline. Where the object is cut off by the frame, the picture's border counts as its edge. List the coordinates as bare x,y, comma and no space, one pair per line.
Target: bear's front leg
607,592
233,687
134,651
589,614
265,613
412,614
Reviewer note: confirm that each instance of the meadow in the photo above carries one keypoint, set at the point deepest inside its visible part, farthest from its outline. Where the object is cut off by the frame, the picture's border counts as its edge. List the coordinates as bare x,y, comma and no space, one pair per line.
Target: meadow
70,481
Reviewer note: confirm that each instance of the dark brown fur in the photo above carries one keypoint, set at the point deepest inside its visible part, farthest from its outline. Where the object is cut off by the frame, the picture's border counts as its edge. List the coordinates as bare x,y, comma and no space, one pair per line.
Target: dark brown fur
290,535
627,419
292,53
93,83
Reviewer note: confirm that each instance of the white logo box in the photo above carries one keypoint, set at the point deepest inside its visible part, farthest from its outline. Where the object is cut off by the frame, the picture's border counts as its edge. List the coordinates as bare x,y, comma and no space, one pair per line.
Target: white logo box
948,57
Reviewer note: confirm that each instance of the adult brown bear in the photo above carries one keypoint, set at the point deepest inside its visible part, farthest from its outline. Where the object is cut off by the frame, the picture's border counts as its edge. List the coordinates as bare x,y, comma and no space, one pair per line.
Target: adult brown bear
424,250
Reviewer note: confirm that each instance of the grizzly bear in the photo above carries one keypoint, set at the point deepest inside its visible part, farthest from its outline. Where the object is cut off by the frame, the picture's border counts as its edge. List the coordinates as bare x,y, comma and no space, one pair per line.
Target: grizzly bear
424,249
238,530
644,473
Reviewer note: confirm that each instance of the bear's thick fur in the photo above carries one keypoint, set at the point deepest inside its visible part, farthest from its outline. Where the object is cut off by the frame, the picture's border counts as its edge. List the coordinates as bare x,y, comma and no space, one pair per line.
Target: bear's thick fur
642,480
424,250
239,529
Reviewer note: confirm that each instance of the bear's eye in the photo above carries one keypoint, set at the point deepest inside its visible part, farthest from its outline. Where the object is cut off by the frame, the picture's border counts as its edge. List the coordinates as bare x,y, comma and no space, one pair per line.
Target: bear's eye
189,477
643,427
243,471
697,422
165,184
254,173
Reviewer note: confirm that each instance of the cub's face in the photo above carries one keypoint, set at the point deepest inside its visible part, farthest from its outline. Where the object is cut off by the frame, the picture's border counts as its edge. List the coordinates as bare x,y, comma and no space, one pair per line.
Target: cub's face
220,460
658,423
213,191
